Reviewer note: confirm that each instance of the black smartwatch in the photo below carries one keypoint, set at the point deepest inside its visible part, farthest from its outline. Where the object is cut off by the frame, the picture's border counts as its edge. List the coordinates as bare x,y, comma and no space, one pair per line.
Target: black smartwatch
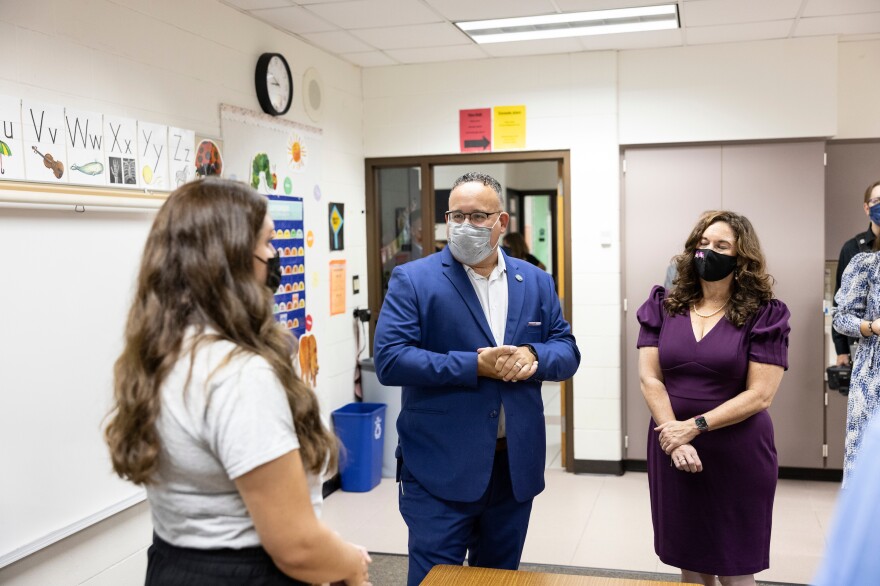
701,423
531,349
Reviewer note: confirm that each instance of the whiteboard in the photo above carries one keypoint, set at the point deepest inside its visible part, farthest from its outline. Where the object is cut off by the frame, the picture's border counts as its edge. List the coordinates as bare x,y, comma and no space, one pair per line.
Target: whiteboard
66,283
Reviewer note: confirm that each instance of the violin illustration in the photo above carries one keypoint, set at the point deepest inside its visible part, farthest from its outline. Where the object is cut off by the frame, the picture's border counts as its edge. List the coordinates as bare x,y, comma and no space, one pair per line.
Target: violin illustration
56,166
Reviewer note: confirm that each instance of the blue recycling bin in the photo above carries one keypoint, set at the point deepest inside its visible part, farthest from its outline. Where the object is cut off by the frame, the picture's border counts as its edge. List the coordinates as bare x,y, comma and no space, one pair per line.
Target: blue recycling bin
361,430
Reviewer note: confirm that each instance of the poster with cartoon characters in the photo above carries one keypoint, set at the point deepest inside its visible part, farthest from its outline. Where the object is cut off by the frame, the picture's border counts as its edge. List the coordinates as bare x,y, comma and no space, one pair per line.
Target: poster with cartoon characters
290,298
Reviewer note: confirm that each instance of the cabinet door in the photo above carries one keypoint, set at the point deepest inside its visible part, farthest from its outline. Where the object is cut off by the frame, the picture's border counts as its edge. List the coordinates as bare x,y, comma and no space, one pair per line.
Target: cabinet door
666,189
781,188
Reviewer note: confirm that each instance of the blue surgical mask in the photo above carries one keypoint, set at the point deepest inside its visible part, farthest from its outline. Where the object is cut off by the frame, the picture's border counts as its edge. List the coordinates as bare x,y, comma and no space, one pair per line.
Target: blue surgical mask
874,213
470,244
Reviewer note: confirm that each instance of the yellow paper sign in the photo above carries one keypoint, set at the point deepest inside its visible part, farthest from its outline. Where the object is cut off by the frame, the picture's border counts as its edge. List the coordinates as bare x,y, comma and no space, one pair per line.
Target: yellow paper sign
509,124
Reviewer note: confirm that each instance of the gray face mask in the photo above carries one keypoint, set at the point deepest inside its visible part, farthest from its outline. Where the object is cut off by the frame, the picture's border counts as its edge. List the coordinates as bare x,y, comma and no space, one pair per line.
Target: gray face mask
469,244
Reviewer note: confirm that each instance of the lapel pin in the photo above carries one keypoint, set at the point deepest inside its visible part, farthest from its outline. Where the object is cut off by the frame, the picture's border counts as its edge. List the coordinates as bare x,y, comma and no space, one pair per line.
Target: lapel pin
519,278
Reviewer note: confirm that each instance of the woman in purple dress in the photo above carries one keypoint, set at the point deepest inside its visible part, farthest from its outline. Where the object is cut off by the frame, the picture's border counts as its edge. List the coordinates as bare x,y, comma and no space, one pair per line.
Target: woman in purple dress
712,354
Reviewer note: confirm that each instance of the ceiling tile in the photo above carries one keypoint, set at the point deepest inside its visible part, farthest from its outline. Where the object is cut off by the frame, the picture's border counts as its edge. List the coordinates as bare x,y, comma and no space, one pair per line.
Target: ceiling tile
541,47
731,33
337,42
714,12
369,59
838,7
853,24
255,4
295,20
460,10
623,41
417,35
356,14
434,54
590,5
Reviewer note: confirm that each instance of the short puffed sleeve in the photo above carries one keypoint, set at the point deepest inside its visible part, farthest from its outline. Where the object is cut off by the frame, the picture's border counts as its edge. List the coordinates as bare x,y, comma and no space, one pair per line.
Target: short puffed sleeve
768,339
650,316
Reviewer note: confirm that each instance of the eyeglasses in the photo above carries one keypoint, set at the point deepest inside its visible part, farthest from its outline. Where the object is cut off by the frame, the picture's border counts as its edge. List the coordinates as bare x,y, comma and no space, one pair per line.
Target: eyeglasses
873,201
475,218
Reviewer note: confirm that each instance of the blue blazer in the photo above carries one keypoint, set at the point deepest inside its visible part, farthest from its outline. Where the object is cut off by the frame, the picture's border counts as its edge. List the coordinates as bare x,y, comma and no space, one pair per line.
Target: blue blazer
426,341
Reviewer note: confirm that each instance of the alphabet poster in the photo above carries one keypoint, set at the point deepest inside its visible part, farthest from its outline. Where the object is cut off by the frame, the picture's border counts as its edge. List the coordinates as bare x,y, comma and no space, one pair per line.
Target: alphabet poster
44,142
181,156
84,135
290,298
49,143
11,149
153,149
121,167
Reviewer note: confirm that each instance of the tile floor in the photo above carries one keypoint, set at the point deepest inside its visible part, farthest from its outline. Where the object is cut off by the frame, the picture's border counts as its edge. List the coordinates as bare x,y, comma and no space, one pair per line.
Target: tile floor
601,521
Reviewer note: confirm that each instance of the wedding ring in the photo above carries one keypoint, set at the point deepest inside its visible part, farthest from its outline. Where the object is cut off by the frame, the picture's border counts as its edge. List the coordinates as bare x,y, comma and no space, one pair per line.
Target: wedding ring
517,364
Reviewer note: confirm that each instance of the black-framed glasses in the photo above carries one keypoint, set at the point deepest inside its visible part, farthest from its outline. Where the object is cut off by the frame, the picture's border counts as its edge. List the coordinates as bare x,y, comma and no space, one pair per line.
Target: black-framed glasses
475,218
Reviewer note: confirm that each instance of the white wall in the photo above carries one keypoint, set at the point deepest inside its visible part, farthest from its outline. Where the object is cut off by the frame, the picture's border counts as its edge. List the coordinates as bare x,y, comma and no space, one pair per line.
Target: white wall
174,63
591,103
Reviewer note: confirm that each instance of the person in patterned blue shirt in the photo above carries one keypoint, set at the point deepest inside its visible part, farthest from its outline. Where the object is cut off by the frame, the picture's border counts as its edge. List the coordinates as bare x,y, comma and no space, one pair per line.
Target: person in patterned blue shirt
858,316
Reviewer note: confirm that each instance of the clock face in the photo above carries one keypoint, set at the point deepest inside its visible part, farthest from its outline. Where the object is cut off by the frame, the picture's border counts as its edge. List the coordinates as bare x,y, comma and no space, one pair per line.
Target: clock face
278,84
274,84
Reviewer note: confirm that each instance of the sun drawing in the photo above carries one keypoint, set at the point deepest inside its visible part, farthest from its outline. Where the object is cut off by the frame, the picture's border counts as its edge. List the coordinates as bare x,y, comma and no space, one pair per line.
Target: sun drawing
298,152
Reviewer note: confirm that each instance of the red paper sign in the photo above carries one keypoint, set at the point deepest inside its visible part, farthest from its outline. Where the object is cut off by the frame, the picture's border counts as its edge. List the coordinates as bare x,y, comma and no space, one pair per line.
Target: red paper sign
475,130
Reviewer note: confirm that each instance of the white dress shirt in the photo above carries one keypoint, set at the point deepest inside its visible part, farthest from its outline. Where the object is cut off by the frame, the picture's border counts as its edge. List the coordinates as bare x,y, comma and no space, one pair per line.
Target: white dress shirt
492,293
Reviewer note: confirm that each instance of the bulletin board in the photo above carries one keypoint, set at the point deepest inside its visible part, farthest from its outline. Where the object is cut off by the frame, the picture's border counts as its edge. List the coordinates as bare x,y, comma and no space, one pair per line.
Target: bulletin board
281,159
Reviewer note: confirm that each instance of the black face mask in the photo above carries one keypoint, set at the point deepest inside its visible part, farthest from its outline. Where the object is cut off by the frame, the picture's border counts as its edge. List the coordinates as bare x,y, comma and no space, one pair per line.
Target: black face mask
711,266
273,270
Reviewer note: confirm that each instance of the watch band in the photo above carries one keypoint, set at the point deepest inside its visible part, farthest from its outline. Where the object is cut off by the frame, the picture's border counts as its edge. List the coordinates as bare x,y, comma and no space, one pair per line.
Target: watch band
700,421
531,349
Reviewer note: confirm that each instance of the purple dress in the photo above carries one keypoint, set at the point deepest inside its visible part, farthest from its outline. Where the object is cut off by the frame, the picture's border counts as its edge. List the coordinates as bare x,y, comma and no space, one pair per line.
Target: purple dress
716,521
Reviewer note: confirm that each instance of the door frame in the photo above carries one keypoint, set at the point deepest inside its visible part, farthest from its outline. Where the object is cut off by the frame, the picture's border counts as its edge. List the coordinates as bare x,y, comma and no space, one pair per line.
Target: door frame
426,164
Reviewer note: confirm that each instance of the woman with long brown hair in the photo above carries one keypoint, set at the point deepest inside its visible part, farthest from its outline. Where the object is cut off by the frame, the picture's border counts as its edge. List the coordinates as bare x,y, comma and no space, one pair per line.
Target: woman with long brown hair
712,354
209,414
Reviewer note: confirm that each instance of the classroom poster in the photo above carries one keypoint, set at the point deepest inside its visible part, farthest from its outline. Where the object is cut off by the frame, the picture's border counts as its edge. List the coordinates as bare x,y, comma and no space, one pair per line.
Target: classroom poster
84,135
44,144
11,145
290,298
337,287
121,168
153,149
337,226
181,156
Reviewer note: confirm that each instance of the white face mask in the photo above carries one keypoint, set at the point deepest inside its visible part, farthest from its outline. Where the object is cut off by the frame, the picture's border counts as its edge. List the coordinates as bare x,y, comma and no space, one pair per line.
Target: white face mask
469,244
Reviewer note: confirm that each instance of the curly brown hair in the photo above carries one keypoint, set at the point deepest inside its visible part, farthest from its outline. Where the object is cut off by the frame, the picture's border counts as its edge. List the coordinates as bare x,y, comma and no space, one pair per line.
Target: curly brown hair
752,285
197,270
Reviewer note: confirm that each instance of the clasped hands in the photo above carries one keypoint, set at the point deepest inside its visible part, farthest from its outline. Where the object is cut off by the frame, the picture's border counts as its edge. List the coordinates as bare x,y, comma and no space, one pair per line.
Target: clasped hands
675,437
507,363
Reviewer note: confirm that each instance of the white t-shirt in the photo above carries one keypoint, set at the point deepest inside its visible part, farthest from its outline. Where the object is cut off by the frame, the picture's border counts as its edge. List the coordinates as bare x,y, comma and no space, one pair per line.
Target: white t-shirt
224,424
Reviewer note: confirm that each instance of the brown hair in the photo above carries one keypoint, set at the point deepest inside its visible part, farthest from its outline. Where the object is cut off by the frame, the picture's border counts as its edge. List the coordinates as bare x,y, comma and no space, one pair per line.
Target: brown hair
516,244
752,286
870,189
197,270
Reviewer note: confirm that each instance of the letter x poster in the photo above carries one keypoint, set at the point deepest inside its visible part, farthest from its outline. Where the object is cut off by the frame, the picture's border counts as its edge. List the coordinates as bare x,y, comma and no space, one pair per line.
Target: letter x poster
289,241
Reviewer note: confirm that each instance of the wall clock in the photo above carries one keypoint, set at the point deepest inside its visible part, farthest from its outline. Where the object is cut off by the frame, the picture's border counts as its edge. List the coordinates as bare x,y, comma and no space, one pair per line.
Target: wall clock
274,84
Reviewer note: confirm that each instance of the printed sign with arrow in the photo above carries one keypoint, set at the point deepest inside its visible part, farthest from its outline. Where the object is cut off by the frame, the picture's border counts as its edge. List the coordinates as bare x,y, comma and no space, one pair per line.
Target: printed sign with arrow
474,126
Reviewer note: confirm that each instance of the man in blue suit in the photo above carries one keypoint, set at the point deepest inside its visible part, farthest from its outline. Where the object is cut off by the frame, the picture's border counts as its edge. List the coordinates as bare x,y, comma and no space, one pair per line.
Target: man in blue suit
470,334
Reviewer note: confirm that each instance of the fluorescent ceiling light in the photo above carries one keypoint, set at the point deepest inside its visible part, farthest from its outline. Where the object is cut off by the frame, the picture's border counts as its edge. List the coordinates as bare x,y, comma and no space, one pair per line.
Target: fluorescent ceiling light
572,24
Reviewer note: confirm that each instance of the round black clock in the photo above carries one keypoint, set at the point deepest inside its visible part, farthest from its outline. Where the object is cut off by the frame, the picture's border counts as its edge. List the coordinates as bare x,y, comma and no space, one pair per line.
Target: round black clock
274,84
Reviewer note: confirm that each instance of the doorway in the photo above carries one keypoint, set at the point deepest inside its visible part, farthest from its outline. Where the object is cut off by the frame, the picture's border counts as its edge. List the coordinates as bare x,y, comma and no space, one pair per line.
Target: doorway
407,198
